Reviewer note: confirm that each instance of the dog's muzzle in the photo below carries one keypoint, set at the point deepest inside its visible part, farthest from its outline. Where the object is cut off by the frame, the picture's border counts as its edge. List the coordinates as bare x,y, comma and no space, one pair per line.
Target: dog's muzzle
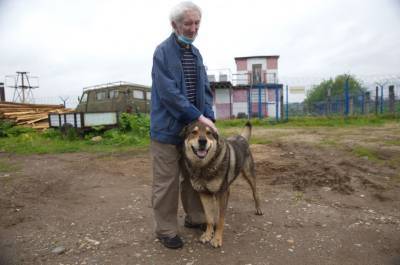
200,153
202,150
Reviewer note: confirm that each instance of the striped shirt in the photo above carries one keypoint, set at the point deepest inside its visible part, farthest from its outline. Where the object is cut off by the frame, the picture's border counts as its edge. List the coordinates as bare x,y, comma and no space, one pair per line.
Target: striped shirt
190,74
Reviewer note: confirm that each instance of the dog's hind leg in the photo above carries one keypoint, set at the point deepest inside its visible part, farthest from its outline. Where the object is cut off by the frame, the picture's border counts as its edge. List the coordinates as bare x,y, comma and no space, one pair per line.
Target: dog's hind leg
210,212
222,205
250,176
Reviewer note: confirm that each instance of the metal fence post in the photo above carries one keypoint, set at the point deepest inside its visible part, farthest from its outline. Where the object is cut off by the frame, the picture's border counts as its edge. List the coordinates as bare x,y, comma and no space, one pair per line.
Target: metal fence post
259,101
249,104
277,104
367,102
391,99
230,104
376,100
281,102
328,102
362,103
287,103
381,99
346,97
351,105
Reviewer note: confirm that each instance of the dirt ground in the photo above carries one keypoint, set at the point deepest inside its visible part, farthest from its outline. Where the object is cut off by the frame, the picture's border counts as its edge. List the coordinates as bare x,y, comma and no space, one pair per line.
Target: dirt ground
322,204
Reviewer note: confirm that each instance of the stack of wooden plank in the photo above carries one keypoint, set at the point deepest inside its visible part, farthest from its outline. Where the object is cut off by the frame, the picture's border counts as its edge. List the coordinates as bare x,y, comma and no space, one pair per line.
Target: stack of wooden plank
29,115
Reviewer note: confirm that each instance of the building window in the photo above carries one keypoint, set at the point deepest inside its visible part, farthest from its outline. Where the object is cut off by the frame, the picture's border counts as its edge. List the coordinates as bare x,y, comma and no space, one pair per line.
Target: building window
148,96
272,78
113,93
138,94
84,98
100,95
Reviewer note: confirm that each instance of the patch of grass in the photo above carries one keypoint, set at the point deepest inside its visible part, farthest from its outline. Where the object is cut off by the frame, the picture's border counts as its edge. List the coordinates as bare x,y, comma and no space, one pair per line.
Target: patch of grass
38,144
392,142
257,140
298,196
333,121
329,142
396,178
6,166
133,133
394,163
361,151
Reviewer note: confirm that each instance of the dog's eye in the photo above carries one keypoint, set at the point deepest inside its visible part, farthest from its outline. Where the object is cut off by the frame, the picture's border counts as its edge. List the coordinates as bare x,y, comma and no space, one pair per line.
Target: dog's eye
194,132
208,133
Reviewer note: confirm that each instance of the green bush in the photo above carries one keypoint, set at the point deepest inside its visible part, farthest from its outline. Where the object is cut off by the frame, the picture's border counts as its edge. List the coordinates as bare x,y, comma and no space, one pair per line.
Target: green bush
4,127
139,124
8,129
52,133
117,137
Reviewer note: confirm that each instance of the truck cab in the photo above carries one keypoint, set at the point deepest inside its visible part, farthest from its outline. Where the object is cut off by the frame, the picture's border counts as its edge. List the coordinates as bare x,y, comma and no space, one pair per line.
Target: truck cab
118,96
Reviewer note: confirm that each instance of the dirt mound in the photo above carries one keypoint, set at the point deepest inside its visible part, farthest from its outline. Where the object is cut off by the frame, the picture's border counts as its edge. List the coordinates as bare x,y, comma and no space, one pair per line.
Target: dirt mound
303,166
300,178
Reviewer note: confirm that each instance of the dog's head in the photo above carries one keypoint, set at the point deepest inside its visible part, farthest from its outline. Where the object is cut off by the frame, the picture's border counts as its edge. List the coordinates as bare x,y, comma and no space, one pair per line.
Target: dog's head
200,143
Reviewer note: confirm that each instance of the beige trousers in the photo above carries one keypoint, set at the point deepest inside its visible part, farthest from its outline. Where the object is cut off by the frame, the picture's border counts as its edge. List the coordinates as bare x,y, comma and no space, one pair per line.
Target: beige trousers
165,191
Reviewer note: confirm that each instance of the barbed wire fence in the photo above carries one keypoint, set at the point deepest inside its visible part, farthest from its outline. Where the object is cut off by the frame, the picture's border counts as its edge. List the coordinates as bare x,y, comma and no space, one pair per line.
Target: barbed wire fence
69,101
382,95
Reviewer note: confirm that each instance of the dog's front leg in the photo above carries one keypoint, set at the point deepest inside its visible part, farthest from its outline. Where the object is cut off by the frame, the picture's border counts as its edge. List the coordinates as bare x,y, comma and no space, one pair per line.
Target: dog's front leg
209,211
222,205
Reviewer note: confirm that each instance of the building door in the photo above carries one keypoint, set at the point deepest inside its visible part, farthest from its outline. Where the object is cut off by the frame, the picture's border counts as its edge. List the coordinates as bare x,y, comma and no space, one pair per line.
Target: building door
256,73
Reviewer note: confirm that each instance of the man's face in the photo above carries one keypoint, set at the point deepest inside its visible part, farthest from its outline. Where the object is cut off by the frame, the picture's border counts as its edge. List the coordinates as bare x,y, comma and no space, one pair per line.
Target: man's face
189,25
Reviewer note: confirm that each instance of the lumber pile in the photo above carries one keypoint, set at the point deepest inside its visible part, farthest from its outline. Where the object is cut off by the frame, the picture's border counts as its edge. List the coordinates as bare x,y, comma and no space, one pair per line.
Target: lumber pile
29,115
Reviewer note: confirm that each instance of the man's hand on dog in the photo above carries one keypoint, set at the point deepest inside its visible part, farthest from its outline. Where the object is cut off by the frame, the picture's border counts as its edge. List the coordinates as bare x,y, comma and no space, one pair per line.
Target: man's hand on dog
208,122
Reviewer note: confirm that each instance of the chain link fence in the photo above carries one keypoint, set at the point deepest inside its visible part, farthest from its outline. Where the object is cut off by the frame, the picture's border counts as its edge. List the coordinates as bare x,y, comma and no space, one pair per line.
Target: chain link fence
363,103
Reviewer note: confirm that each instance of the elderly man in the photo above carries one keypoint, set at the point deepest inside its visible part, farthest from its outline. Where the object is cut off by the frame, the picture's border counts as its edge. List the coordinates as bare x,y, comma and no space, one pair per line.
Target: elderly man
180,95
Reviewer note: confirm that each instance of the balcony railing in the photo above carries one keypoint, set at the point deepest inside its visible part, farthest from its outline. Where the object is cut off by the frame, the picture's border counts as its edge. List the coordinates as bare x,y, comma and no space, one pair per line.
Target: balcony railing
250,78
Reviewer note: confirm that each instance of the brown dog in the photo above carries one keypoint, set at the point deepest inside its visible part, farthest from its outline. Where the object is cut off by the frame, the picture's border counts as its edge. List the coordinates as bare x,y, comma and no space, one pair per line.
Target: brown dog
212,164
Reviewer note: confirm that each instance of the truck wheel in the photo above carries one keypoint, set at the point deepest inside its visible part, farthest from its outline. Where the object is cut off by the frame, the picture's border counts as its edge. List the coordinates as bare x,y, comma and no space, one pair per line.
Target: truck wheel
67,129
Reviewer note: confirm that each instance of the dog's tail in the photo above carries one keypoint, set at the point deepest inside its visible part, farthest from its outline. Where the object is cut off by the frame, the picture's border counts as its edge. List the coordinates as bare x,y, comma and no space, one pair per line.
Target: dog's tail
247,131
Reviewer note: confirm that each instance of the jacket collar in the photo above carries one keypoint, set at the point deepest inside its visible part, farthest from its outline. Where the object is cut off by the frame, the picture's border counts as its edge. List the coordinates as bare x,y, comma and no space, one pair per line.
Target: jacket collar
172,40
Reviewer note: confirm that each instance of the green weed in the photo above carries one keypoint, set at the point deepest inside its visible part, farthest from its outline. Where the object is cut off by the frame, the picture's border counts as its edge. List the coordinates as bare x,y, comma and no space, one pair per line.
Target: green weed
396,178
329,142
6,167
298,196
256,140
133,133
392,142
361,151
332,121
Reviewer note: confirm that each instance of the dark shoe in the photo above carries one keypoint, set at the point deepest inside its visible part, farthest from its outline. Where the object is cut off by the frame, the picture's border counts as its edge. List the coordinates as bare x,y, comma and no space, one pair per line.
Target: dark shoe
190,225
171,242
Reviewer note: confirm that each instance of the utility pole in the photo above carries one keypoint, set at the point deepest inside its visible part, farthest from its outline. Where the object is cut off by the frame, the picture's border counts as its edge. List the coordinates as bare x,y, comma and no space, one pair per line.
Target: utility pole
22,87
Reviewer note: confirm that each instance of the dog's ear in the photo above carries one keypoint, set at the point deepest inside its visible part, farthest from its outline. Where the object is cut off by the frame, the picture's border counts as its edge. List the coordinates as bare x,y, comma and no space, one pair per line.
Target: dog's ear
184,131
215,135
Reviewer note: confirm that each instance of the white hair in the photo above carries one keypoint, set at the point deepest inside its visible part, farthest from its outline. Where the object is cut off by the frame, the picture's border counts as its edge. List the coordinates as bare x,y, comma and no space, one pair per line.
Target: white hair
180,9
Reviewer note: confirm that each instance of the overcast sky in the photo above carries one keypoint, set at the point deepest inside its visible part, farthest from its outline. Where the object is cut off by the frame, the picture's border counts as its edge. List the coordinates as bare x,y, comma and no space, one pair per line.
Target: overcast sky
73,44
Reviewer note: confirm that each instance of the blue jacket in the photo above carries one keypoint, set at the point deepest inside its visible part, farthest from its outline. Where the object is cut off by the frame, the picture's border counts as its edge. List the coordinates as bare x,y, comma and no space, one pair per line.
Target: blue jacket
170,108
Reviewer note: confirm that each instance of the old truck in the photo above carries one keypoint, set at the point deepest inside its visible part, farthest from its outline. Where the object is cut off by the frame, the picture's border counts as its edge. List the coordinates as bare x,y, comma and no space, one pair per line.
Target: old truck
101,105
118,96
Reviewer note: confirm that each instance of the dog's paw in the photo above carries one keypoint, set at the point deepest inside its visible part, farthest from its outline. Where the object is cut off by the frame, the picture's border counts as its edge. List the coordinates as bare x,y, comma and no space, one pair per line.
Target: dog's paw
216,242
206,237
259,212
